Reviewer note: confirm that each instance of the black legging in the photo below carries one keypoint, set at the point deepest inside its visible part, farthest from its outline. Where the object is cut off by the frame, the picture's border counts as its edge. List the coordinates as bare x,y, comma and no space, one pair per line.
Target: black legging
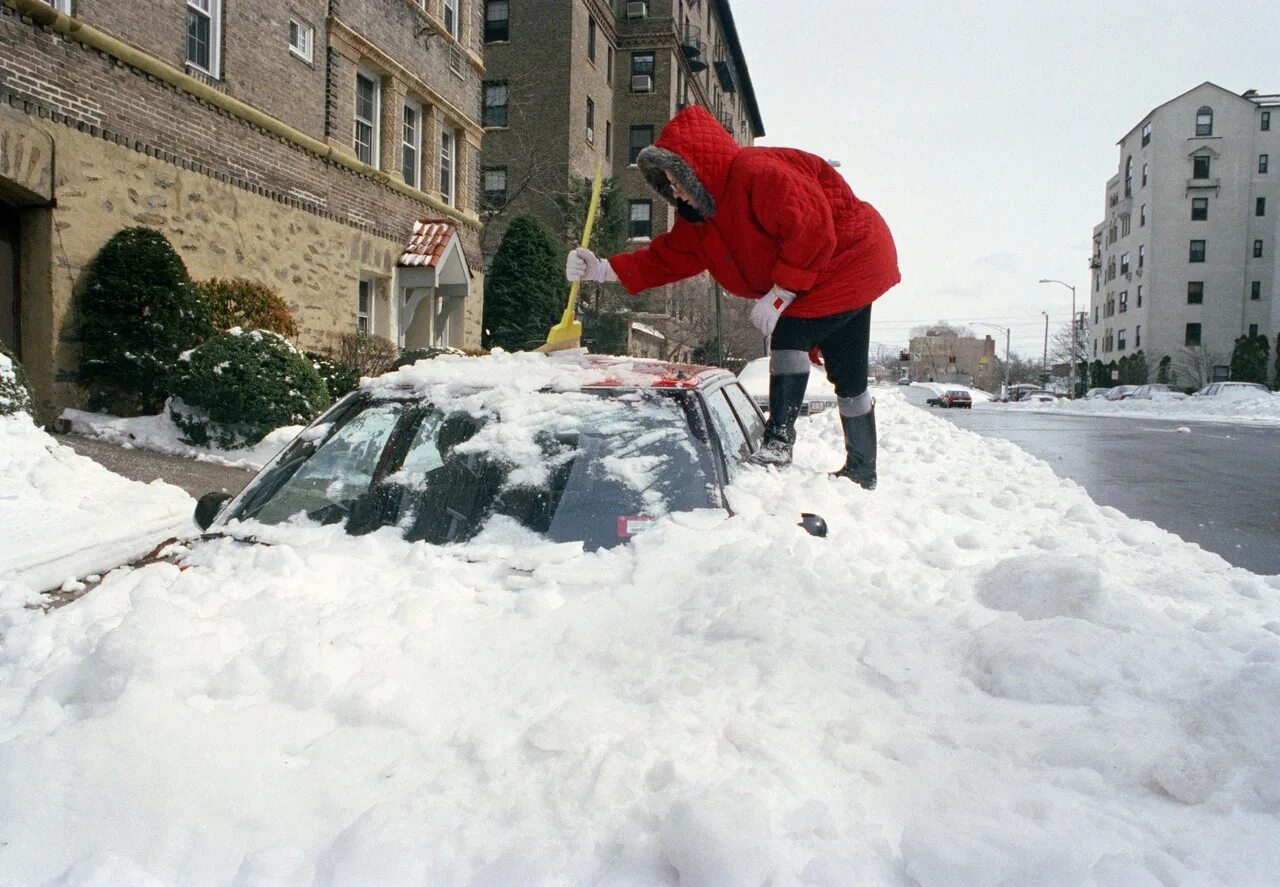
843,340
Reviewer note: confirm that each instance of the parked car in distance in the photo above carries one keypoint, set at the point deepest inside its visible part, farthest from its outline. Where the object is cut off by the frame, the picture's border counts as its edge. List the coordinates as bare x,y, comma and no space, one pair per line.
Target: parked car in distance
1120,392
955,397
1040,395
819,395
1234,390
611,445
1095,393
1156,391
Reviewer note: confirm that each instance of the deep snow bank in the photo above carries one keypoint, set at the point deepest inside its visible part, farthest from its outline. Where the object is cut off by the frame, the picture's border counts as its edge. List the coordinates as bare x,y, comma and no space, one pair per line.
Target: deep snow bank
981,677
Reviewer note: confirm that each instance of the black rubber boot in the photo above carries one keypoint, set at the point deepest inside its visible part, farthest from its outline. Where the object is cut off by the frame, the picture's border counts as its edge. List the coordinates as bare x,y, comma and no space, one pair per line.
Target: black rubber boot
860,449
786,396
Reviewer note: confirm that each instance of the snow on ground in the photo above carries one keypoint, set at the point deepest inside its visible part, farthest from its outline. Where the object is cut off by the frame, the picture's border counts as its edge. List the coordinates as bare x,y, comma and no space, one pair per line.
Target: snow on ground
980,677
936,388
1248,410
64,516
158,433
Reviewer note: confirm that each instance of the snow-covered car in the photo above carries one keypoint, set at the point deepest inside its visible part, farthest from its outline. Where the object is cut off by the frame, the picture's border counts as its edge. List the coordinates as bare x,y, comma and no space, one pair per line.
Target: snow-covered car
1234,390
1096,393
1156,391
592,452
1120,392
1036,395
819,395
955,397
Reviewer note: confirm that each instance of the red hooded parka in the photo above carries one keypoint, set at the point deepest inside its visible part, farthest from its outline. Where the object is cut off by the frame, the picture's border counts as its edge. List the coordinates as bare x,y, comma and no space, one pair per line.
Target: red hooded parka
778,216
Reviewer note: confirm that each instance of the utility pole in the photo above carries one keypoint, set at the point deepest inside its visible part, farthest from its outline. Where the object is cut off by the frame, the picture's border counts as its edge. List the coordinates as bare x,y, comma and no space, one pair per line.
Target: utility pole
1075,341
1044,361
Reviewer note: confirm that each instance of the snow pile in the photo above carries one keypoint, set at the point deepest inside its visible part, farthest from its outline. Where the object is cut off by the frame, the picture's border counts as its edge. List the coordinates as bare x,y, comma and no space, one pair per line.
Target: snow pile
936,388
63,515
1246,410
980,677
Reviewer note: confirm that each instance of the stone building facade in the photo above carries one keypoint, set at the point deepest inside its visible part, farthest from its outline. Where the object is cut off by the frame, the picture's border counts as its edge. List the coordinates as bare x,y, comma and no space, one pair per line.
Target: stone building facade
573,83
947,357
292,142
1184,261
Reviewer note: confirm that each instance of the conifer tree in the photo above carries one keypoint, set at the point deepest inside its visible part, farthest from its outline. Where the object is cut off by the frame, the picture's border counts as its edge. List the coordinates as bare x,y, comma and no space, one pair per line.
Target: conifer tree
525,291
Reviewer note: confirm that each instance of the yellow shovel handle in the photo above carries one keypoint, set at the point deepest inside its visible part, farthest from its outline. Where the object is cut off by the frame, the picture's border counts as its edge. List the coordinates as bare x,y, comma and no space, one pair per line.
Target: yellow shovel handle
586,236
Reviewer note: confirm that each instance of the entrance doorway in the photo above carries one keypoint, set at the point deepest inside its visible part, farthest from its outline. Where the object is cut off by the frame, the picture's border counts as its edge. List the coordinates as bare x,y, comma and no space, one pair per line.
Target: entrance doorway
10,261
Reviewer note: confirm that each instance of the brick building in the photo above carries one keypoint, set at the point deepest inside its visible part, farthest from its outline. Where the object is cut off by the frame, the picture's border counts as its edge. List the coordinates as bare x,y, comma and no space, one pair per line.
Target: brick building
947,357
570,83
328,148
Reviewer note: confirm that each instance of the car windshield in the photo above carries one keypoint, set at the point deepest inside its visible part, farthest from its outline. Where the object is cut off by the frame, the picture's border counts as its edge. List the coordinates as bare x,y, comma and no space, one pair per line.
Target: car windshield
595,471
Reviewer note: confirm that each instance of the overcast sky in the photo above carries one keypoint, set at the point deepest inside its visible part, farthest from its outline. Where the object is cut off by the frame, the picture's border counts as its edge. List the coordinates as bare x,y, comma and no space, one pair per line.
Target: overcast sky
986,132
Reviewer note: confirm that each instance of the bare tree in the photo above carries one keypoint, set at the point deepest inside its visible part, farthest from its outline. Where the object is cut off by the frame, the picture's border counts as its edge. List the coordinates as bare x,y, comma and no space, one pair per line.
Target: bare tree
941,328
1197,362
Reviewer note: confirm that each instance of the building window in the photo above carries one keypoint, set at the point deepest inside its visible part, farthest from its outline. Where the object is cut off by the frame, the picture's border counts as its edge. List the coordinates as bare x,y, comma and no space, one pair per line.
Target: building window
1124,225
1255,291
1266,121
411,145
641,138
367,125
301,38
1192,337
364,308
1253,330
1142,216
591,38
608,139
591,121
1142,256
1120,340
1095,313
1195,292
63,6
1128,177
497,21
448,145
608,69
1124,263
642,69
204,35
1139,295
1199,209
1204,122
1124,301
1137,337
1196,253
1146,134
641,223
1200,166
1144,175
1260,206
495,103
495,187
451,18
1257,249
1262,163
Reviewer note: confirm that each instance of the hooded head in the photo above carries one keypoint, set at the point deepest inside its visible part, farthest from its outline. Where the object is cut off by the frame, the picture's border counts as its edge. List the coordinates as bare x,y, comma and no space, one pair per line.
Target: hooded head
697,151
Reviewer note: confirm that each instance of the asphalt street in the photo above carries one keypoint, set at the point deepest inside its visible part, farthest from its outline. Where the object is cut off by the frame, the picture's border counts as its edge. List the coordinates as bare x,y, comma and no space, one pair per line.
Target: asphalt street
1217,486
197,478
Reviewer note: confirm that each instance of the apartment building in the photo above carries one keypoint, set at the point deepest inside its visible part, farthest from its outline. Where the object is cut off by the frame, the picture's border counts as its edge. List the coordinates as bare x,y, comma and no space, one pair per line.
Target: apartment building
328,148
1184,260
947,357
570,83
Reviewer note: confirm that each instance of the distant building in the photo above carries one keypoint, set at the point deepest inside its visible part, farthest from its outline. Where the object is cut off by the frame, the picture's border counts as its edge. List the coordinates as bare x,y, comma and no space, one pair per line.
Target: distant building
946,357
569,83
1184,260
311,146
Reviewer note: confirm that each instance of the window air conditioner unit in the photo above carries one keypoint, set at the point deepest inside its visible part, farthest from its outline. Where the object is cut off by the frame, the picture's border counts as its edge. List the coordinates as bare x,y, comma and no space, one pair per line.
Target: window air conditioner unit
642,83
637,9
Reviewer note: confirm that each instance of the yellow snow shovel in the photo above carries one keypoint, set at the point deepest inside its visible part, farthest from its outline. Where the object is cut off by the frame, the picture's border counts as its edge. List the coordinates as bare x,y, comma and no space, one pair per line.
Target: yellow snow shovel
568,332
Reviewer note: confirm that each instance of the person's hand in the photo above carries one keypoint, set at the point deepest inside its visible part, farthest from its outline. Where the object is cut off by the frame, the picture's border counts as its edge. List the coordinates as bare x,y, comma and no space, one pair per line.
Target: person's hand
584,265
769,307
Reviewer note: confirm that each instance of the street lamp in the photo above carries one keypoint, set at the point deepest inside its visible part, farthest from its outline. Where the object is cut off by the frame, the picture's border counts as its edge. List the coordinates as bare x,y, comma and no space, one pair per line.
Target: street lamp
1075,342
1044,361
1005,392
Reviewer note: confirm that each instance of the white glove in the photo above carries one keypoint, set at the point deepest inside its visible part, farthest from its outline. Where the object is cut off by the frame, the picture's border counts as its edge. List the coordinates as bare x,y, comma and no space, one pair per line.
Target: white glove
583,264
769,307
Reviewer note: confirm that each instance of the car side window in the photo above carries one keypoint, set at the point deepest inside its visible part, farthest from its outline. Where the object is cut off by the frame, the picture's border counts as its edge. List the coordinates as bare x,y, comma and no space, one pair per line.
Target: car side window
748,415
732,438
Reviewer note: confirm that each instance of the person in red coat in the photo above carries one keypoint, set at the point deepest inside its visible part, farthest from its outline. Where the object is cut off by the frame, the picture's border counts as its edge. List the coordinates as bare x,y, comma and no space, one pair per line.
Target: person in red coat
780,226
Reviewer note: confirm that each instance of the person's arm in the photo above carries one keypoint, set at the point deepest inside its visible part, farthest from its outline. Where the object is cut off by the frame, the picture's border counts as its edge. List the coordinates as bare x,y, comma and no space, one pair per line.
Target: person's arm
669,257
794,209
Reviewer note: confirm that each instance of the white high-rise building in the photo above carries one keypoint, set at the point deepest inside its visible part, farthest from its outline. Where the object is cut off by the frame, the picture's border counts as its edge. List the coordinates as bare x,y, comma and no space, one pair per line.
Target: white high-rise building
1185,259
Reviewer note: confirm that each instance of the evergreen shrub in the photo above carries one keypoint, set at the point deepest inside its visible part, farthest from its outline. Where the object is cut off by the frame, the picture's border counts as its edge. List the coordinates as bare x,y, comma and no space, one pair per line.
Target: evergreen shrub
15,391
338,377
525,291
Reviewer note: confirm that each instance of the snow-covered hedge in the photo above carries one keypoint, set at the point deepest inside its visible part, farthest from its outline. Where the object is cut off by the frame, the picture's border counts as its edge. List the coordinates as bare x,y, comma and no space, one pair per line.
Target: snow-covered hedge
15,390
413,355
338,377
239,385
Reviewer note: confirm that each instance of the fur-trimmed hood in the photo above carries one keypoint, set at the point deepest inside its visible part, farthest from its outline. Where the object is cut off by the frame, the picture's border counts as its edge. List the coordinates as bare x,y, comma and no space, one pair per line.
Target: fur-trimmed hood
698,151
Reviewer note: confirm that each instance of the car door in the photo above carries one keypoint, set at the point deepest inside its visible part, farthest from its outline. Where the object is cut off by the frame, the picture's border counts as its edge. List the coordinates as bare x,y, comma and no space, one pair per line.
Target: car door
738,424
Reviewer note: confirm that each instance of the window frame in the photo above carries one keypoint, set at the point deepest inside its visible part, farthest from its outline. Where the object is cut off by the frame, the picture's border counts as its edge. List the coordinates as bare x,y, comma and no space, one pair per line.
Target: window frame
447,7
365,312
1202,255
448,166
632,206
1255,291
651,73
1146,134
62,6
632,151
1196,163
1257,249
1195,292
1265,121
306,51
486,108
491,25
1204,122
374,123
414,145
592,29
1199,209
212,11
487,193
1187,337
1264,162
1259,206
591,121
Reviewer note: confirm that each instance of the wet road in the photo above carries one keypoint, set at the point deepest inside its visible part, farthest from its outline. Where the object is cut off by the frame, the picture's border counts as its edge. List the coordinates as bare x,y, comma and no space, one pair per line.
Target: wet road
1218,486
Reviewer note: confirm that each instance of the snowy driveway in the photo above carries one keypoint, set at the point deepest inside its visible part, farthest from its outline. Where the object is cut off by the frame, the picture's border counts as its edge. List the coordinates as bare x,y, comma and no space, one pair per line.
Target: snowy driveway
981,677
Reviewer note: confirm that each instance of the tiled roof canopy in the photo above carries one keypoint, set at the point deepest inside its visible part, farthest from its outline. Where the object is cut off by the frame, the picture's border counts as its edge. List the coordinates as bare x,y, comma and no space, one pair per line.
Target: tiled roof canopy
427,244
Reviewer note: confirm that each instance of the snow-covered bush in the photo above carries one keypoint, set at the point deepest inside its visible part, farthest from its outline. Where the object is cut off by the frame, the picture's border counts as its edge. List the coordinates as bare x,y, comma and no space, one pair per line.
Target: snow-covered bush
238,302
139,311
413,355
15,390
338,377
238,386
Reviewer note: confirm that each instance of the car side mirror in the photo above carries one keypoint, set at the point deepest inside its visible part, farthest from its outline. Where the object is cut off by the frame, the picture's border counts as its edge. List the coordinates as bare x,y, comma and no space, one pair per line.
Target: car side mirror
813,524
208,506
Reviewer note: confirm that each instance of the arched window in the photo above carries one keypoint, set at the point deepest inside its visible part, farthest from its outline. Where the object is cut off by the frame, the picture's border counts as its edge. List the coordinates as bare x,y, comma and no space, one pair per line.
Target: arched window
1204,121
